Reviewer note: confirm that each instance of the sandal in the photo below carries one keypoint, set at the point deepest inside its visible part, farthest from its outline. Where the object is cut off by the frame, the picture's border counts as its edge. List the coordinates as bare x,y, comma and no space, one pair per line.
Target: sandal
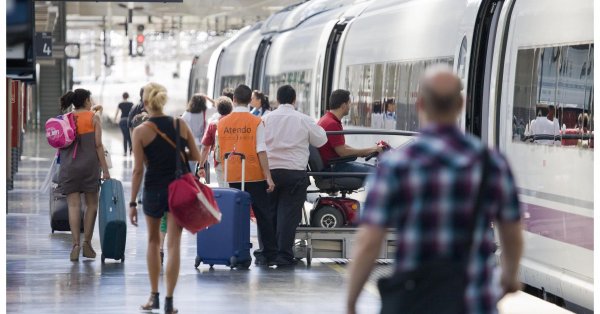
169,309
75,252
152,304
88,251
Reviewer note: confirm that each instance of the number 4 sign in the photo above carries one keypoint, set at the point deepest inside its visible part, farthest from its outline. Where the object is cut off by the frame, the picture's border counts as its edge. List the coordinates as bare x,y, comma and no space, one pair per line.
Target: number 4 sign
43,44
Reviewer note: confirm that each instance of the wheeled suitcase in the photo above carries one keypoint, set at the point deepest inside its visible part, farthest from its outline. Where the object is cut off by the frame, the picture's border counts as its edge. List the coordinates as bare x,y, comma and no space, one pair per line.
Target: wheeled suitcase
111,220
59,210
228,242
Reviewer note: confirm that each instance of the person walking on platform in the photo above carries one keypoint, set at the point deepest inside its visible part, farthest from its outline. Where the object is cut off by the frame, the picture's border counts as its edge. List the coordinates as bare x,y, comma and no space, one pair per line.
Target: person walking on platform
260,104
125,108
440,192
159,156
242,132
195,117
210,142
135,111
80,165
288,134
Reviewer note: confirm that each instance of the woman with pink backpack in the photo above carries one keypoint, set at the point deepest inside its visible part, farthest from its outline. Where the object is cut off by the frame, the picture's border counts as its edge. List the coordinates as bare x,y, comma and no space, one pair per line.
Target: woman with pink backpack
80,164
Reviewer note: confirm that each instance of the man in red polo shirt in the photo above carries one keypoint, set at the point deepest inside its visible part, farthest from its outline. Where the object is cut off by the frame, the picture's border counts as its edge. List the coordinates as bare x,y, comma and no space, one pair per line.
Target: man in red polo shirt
339,106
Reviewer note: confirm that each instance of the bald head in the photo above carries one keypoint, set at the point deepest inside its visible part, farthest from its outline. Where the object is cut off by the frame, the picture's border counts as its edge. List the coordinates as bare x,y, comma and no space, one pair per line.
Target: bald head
440,92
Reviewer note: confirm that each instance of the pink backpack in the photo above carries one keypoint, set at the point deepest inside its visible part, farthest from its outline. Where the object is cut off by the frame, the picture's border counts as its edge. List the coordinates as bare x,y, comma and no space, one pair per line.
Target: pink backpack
61,131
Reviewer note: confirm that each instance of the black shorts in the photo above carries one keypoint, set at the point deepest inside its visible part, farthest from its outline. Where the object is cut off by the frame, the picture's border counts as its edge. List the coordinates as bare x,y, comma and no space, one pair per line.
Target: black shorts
155,202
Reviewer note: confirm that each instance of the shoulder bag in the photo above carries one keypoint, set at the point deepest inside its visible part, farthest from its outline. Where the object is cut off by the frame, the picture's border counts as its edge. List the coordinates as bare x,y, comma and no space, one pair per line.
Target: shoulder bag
191,203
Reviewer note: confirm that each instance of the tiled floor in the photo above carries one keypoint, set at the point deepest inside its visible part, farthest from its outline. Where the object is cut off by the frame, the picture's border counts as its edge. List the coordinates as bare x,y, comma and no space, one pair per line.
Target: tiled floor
41,279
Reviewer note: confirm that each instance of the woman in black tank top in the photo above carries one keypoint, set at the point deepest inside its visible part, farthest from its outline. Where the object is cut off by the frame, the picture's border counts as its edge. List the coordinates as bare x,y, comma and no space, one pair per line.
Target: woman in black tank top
159,156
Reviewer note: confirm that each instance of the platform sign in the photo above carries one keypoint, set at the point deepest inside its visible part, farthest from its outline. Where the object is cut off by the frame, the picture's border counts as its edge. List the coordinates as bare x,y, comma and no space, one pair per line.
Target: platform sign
43,44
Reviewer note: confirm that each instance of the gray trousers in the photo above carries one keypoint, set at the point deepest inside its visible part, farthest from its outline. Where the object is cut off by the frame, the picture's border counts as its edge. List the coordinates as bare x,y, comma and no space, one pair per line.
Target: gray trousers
287,201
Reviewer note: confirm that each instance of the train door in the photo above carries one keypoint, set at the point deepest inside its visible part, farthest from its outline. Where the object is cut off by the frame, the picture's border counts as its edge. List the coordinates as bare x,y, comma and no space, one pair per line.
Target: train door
258,70
478,84
329,65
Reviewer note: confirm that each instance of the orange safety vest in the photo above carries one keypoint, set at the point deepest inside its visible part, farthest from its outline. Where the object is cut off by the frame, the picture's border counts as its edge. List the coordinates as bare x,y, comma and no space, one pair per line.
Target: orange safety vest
237,132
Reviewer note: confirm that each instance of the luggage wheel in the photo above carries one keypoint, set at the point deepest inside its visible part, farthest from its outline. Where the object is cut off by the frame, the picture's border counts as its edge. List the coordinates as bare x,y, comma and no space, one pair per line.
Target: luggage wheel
232,262
197,262
102,258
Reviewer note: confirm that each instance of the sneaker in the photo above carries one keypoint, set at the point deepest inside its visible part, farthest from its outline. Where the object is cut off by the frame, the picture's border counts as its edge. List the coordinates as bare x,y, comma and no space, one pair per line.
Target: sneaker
88,251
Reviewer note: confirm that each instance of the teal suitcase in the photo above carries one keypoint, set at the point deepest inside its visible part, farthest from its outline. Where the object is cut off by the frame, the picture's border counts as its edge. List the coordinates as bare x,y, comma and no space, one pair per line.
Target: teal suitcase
112,223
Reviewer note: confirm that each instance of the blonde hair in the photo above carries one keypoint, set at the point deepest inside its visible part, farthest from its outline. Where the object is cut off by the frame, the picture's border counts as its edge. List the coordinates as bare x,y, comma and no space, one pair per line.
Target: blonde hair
155,97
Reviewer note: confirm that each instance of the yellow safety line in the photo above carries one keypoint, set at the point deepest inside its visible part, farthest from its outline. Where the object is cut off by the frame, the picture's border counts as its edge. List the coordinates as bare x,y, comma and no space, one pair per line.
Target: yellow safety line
370,287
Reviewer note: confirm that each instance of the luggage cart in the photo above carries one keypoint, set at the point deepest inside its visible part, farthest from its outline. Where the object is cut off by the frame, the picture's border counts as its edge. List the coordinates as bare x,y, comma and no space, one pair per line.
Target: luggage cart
319,242
314,242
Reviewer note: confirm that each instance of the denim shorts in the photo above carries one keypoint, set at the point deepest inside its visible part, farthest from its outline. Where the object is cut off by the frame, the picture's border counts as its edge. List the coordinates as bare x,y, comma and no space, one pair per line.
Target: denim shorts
155,202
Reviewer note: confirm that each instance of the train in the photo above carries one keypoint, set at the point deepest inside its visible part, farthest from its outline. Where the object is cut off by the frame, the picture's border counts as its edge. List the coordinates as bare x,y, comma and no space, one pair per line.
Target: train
516,59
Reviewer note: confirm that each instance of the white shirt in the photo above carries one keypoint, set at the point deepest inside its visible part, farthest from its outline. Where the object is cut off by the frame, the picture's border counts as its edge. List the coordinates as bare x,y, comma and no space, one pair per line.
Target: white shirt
288,134
260,131
543,126
197,123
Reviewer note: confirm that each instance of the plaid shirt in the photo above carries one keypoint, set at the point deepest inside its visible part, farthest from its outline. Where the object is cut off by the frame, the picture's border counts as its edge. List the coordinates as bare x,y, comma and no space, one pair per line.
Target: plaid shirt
427,191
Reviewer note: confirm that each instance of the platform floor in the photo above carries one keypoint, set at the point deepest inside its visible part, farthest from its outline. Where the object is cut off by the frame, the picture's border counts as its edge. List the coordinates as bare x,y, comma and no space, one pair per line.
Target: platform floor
41,279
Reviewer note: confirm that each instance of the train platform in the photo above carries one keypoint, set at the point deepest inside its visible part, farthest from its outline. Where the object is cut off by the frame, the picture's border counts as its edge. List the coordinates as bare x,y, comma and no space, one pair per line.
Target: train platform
41,279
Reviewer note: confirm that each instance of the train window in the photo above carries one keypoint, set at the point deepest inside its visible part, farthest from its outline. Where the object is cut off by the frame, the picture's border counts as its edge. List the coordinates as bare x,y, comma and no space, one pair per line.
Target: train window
299,80
384,95
232,81
553,99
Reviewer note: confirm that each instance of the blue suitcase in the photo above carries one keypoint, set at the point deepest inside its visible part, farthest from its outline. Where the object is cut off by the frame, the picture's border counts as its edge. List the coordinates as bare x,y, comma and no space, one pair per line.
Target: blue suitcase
112,224
228,242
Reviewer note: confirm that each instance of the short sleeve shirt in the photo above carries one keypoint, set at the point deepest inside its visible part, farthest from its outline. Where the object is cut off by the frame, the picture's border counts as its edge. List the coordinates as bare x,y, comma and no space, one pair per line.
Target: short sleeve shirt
329,122
427,191
125,109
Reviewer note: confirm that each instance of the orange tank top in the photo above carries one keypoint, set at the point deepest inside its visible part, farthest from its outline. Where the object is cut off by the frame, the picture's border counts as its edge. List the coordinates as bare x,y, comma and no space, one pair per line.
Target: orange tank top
85,122
237,132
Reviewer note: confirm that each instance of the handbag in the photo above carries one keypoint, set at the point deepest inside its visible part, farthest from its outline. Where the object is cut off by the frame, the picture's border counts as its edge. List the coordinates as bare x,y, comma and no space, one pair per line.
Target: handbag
191,203
437,286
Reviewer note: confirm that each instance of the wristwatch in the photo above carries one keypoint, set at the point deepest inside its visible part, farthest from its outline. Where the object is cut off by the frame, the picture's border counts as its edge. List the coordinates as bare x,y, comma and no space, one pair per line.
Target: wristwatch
132,204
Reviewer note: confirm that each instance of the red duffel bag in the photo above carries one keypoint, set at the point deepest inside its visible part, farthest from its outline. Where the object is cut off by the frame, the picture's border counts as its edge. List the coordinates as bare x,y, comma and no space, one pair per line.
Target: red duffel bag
191,203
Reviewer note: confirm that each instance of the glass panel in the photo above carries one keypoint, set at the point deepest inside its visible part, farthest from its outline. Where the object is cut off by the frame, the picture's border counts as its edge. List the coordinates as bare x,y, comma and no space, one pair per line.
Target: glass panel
553,96
299,80
232,81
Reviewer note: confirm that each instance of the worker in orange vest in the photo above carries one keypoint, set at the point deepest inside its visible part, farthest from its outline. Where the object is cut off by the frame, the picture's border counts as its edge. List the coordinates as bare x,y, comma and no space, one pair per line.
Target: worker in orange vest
242,132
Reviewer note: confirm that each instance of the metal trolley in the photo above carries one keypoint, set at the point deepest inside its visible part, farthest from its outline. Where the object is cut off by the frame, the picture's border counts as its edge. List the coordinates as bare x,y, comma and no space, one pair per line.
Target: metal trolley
320,242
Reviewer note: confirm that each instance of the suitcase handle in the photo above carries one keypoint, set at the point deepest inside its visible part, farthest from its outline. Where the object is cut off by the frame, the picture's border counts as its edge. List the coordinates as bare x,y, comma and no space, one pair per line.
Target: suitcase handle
243,158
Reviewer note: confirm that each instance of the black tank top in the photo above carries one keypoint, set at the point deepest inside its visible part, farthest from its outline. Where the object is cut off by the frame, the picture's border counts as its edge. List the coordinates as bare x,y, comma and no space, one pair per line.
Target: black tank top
160,169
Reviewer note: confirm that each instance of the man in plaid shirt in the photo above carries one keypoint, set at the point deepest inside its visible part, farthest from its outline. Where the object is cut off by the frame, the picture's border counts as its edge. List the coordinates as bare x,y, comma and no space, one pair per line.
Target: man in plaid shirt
427,191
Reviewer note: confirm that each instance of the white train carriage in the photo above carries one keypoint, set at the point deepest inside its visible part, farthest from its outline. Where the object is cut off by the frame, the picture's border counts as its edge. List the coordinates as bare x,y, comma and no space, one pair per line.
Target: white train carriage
515,58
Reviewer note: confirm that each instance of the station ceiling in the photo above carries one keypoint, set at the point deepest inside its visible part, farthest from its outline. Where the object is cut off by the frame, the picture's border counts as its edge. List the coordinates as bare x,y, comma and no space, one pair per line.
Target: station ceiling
191,14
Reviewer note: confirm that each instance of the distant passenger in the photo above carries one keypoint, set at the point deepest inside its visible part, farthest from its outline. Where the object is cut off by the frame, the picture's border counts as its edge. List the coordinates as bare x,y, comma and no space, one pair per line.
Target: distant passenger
546,126
390,114
196,116
210,141
288,134
339,106
136,111
80,165
125,108
242,132
429,191
227,92
159,156
260,104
